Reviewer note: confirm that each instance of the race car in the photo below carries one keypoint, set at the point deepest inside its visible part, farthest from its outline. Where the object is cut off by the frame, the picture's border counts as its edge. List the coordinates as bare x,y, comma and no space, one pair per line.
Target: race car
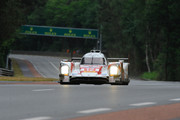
94,68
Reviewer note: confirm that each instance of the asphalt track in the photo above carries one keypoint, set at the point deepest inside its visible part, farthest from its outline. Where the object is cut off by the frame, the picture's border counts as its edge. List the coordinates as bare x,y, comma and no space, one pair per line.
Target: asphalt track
47,67
141,100
55,102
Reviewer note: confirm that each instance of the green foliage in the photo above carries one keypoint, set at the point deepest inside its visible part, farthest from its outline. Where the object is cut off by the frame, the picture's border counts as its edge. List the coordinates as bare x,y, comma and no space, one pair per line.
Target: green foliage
60,13
132,25
150,76
141,30
10,19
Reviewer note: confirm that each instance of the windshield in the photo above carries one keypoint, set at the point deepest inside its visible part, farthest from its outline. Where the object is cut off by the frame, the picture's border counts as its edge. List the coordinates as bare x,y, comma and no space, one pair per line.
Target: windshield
93,60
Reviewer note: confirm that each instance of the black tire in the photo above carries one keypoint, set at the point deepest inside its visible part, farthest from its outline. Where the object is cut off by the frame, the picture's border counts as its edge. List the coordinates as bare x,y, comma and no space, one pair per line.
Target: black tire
120,83
117,83
69,84
125,83
64,83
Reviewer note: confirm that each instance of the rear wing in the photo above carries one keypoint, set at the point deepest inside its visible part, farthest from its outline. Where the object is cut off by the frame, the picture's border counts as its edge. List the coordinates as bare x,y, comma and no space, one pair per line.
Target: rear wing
113,59
76,58
72,59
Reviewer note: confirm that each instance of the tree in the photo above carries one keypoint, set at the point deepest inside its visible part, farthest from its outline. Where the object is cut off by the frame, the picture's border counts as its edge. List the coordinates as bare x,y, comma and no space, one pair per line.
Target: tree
10,19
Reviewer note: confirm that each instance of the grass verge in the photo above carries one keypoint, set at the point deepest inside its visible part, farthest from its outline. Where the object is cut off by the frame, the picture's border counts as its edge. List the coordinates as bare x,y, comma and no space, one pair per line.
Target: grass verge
38,79
16,68
18,75
150,75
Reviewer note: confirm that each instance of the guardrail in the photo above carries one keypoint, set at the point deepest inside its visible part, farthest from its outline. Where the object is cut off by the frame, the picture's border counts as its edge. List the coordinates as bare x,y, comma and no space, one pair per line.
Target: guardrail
6,72
55,54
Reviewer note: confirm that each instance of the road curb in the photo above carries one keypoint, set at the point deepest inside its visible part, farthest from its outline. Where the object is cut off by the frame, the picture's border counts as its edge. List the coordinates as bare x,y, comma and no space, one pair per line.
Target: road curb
162,112
32,69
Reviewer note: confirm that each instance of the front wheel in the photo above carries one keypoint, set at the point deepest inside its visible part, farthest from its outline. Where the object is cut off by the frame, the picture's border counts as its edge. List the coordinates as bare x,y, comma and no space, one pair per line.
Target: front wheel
68,83
125,83
120,83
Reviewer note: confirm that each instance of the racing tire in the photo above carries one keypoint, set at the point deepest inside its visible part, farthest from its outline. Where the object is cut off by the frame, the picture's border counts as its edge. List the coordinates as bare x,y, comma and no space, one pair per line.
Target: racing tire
64,83
125,83
120,83
116,83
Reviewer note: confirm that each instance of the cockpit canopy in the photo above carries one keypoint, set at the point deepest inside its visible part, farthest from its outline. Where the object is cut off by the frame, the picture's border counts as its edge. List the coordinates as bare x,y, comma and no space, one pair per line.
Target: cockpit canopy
93,60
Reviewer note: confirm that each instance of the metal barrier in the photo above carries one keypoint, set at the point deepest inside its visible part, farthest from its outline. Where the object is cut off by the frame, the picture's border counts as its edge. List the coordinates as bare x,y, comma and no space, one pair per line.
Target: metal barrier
6,72
56,54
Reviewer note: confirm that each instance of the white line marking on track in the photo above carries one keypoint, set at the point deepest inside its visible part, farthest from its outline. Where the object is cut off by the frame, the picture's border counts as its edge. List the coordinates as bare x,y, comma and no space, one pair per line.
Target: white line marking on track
176,99
38,118
39,71
39,90
94,110
143,104
54,66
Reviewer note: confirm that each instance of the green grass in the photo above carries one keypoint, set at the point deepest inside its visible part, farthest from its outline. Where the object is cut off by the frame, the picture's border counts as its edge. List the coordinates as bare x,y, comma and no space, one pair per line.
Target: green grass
16,68
38,79
18,75
150,75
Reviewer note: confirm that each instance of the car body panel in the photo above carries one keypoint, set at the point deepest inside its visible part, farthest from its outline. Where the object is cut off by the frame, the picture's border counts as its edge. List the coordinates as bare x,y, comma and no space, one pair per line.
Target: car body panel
94,68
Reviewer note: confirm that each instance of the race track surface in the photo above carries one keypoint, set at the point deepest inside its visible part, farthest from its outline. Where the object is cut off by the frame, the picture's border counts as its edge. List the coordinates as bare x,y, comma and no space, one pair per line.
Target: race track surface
46,66
87,102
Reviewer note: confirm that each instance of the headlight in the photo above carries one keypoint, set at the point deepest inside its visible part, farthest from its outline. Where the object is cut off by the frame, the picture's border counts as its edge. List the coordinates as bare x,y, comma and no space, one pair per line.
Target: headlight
65,70
113,70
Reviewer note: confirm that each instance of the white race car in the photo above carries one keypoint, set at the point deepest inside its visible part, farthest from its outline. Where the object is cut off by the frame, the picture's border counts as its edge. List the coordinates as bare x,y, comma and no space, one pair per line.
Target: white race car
94,68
